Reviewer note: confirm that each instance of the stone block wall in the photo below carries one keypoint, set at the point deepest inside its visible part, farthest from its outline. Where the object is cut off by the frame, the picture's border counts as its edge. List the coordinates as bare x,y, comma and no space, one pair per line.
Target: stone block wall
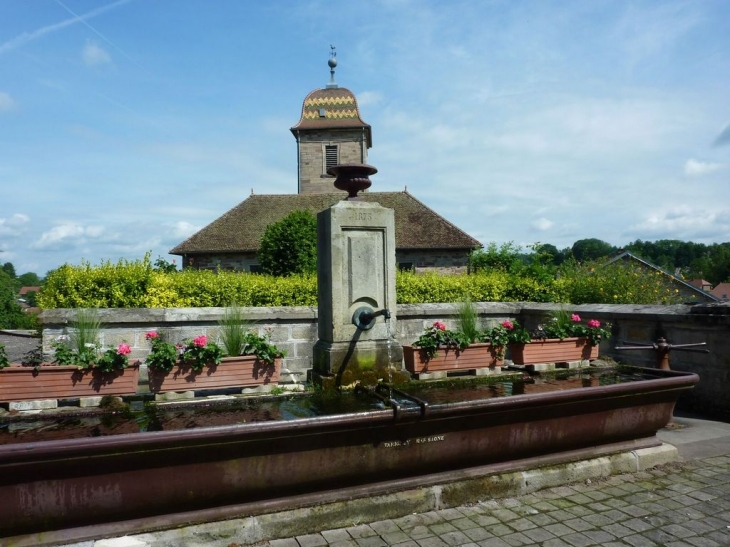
295,330
312,177
442,261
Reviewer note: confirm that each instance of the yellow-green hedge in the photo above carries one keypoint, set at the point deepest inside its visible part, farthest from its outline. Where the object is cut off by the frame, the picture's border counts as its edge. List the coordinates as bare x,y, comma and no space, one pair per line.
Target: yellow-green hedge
136,284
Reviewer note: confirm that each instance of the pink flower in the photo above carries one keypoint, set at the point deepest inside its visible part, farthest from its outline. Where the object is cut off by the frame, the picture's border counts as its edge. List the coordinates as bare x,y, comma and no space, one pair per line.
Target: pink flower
508,325
151,335
575,317
594,323
200,341
124,349
439,325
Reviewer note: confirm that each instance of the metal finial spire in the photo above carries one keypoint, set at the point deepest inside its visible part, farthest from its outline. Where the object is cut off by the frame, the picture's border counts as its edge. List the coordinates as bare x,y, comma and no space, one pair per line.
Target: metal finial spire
332,64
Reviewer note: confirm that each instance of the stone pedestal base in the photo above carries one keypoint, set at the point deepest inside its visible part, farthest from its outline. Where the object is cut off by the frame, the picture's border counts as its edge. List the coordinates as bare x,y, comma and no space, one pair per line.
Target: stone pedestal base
342,364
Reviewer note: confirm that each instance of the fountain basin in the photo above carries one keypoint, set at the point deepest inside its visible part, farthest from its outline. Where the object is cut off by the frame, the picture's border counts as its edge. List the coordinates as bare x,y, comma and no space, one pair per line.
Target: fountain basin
66,484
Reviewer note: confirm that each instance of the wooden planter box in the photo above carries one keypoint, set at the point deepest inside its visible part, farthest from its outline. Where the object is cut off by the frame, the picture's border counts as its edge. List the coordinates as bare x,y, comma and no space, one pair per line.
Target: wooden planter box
242,371
553,351
447,359
20,383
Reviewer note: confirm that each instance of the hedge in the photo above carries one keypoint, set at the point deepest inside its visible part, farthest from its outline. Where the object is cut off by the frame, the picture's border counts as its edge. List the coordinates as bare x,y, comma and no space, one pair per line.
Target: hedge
137,284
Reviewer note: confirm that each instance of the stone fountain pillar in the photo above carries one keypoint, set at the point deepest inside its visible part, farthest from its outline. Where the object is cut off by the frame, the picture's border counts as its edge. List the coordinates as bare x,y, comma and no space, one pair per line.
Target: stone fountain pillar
356,287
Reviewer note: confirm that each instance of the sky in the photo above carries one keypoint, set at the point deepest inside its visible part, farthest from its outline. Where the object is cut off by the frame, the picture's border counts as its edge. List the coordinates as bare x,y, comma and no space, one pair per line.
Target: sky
128,125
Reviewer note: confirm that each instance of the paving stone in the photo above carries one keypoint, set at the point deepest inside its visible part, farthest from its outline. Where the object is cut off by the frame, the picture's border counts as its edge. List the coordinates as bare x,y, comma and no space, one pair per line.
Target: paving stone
599,536
702,542
579,511
433,541
463,523
442,528
505,515
455,538
485,520
541,519
371,541
450,514
658,536
638,525
559,529
522,524
347,543
385,526
311,540
500,530
579,524
420,532
392,538
288,542
494,542
406,544
578,540
333,536
618,530
557,542
517,539
361,531
477,534
637,540
539,534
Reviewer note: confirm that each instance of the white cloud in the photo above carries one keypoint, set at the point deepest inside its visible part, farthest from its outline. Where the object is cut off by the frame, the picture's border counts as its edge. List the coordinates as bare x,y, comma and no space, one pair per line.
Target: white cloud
695,168
61,235
184,229
6,102
12,226
368,98
94,55
542,224
686,223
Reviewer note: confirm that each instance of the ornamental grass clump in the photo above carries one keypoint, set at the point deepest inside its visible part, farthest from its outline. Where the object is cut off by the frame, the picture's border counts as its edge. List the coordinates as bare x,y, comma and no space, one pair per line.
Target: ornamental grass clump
82,348
233,330
467,320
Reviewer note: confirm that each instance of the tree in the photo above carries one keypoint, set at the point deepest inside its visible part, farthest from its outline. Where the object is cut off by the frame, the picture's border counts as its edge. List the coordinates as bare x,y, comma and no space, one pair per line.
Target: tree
591,249
507,258
29,279
9,269
289,246
10,313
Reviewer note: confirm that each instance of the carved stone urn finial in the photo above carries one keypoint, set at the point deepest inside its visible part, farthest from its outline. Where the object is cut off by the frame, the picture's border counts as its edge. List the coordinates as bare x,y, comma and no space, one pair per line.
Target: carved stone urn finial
352,177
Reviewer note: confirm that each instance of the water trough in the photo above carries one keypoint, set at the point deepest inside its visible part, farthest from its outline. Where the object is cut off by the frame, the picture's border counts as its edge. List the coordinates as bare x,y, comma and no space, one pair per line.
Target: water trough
56,489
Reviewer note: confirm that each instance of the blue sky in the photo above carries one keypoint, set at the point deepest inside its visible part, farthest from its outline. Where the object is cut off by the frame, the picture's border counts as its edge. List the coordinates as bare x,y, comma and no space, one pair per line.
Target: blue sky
127,125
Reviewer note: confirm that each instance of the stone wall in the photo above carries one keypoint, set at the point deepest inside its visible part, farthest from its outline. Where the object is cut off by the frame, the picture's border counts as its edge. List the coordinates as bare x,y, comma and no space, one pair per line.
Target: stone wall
438,260
295,330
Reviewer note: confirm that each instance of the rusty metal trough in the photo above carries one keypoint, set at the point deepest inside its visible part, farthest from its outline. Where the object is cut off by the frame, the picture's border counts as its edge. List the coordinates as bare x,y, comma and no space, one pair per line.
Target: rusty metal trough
135,482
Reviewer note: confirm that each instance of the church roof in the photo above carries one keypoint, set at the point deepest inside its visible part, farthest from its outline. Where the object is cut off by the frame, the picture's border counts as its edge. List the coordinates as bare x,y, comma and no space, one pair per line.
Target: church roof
332,108
241,228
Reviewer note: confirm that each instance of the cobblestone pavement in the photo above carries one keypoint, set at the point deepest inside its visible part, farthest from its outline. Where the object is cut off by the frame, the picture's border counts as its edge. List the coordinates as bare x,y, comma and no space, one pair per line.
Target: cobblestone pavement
679,505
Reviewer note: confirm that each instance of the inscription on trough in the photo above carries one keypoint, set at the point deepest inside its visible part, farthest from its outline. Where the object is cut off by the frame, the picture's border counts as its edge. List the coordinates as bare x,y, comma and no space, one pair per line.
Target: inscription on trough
417,440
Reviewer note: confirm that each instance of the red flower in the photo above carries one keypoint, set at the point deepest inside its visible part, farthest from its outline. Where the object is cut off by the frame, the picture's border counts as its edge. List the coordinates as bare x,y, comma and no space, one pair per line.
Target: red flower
200,341
151,334
508,325
575,317
124,349
439,325
594,323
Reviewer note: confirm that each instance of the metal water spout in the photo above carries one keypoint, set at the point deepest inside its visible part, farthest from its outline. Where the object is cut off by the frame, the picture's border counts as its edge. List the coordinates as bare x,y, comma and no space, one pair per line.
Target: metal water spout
662,348
364,317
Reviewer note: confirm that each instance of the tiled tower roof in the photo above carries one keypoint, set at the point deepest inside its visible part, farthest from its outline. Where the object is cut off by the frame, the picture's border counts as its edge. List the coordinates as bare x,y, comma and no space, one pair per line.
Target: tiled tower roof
332,108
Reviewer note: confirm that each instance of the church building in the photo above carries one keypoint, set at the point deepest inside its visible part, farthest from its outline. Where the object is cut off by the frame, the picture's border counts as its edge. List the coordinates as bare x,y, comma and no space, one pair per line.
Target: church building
330,131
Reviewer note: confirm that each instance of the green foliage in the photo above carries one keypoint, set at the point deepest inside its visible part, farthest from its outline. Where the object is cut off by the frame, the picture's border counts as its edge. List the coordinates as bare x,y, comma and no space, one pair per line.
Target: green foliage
9,269
261,347
199,352
562,324
163,355
4,361
505,258
162,265
617,283
10,312
438,336
290,245
29,279
591,249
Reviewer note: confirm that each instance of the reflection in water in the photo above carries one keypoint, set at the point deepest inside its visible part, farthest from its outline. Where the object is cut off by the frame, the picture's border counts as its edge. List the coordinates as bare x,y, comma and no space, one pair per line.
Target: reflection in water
150,418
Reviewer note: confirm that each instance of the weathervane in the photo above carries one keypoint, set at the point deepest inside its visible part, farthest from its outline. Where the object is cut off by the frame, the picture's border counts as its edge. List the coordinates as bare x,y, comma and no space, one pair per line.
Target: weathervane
332,64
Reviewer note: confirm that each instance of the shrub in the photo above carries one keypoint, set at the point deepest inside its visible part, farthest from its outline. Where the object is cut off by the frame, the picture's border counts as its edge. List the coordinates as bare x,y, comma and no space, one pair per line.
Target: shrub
289,246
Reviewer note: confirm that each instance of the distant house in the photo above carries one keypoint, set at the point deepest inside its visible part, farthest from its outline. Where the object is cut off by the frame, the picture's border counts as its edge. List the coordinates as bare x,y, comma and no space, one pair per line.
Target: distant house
722,292
702,284
330,131
687,290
